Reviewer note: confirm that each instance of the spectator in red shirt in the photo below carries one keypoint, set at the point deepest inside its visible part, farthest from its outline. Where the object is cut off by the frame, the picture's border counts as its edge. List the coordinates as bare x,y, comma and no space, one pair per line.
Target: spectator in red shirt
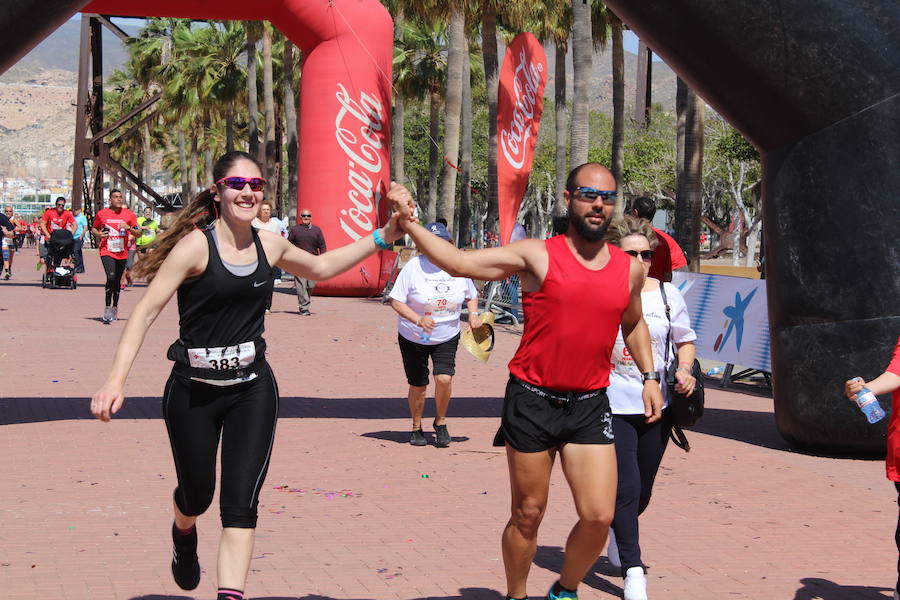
889,381
53,219
668,256
57,218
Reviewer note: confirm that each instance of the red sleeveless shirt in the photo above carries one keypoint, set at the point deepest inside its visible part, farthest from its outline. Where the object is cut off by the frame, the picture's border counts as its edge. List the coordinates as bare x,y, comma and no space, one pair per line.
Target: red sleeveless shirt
571,322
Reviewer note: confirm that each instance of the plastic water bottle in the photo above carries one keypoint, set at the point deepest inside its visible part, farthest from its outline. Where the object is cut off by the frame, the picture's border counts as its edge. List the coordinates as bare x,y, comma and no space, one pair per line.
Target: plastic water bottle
425,336
715,371
868,403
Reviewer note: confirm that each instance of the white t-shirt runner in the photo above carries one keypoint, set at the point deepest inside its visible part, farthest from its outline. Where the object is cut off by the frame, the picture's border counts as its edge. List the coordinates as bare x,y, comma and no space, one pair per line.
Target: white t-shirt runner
424,287
626,384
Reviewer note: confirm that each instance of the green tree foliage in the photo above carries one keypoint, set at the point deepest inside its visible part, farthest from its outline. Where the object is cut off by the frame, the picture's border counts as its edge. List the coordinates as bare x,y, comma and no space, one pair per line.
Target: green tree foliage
202,69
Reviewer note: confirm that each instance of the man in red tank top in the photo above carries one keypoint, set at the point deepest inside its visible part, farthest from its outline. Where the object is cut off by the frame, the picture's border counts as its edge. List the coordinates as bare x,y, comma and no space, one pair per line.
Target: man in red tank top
577,291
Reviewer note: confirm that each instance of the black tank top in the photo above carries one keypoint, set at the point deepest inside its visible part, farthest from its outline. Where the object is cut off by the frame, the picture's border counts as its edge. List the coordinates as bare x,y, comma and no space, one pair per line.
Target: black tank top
219,308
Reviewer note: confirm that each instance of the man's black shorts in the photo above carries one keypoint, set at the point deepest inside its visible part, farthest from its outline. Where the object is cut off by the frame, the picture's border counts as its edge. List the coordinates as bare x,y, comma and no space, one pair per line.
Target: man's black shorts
531,423
415,359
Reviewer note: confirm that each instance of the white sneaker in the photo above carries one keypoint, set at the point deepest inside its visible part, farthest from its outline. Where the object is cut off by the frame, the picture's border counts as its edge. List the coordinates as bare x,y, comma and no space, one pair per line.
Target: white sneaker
635,584
277,282
612,551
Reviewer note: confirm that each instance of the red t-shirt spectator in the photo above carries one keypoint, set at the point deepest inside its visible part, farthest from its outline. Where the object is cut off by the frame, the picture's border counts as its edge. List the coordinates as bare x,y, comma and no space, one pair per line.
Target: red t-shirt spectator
667,257
118,225
54,220
893,439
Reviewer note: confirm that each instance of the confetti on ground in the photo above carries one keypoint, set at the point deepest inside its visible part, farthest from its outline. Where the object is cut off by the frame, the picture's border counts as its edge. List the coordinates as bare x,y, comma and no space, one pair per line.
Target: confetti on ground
387,575
327,494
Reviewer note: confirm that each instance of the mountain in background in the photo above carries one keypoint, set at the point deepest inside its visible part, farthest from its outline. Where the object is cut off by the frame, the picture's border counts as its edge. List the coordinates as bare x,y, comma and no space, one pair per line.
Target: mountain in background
38,95
60,49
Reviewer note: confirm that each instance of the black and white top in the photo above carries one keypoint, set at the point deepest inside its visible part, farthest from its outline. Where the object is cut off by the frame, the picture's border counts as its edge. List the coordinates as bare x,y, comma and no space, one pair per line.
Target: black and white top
222,315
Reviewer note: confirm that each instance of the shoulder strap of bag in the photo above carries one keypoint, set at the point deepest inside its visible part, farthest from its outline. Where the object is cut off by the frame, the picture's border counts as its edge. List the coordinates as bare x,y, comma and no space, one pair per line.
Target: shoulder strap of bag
662,291
679,439
677,434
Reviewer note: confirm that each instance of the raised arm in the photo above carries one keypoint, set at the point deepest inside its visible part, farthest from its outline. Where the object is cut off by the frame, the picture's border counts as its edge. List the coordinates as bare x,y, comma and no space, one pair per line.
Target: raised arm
489,264
184,261
334,262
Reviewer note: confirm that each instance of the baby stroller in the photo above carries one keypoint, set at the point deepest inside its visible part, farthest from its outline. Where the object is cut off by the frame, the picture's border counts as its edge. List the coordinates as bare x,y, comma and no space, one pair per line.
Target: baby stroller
60,249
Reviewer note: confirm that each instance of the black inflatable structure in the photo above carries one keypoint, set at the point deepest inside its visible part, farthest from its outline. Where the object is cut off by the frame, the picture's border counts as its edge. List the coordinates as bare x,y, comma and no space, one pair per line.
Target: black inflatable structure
815,85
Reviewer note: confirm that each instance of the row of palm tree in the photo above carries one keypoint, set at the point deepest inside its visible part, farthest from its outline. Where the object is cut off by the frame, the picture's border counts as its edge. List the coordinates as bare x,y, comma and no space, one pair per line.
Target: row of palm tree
446,58
204,72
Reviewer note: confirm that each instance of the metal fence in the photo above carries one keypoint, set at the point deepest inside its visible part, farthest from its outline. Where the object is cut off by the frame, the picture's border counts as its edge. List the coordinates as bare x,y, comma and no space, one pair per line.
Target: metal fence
504,299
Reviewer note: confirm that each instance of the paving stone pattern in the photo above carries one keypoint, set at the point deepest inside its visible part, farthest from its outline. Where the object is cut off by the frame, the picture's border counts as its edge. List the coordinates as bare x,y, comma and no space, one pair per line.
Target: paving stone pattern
350,511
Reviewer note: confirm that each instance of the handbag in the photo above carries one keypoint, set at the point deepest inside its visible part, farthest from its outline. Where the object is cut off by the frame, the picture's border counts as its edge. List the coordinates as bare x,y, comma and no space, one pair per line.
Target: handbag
684,410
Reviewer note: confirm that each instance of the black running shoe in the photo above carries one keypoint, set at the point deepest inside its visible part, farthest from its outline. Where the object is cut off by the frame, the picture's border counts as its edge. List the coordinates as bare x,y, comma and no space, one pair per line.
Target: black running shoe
417,438
185,566
442,436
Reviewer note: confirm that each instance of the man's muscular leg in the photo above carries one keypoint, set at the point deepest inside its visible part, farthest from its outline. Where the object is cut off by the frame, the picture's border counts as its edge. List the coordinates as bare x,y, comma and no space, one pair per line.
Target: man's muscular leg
529,478
590,470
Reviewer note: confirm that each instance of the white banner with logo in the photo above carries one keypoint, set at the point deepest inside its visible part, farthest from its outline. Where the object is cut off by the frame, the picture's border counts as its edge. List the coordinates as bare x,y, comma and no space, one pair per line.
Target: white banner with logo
730,316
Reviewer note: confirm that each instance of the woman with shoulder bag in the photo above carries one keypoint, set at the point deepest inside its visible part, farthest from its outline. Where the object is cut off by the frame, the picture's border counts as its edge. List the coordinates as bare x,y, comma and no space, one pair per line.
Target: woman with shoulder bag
640,445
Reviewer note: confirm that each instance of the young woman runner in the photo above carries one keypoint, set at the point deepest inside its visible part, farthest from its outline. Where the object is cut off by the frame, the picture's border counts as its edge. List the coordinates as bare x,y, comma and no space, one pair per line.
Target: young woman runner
221,268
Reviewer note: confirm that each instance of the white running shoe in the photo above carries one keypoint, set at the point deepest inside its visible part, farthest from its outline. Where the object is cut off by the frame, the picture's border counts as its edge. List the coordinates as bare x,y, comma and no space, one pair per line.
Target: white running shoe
635,584
612,551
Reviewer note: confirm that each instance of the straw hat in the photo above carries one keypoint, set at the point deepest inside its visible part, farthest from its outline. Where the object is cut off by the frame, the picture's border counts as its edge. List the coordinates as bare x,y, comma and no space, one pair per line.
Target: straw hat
479,342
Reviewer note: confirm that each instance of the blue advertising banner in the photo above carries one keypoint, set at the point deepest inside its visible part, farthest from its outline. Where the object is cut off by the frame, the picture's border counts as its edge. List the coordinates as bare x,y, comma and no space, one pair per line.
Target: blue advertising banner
730,316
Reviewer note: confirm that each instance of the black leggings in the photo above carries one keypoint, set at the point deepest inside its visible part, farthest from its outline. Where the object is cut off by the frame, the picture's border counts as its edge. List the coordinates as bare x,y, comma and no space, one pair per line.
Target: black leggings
244,415
114,268
897,538
639,451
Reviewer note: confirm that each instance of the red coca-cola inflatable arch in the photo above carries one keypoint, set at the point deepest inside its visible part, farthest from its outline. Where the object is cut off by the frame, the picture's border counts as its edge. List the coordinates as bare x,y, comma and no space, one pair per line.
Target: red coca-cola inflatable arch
345,101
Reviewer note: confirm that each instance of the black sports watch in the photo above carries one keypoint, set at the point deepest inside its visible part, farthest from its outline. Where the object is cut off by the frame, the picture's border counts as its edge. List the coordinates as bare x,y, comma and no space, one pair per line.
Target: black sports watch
650,376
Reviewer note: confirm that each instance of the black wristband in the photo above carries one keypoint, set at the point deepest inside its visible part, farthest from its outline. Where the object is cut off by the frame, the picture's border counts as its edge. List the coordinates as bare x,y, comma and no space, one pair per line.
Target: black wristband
650,376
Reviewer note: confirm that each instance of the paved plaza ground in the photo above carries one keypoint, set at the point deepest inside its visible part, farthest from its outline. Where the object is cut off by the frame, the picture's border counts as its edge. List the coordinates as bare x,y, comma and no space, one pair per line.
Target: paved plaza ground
350,511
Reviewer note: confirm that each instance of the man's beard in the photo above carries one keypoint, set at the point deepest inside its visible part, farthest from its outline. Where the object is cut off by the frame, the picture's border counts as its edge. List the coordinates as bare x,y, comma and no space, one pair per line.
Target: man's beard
588,233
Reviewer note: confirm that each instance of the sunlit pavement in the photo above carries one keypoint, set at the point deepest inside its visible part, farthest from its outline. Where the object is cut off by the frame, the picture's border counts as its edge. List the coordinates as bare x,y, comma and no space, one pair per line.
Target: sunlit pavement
350,510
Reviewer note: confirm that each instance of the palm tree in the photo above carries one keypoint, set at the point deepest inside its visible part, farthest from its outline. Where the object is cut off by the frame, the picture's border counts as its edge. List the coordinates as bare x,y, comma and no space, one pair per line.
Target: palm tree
452,106
552,22
253,31
423,46
269,104
124,94
224,46
492,83
465,162
398,154
617,165
290,126
148,53
689,196
582,61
